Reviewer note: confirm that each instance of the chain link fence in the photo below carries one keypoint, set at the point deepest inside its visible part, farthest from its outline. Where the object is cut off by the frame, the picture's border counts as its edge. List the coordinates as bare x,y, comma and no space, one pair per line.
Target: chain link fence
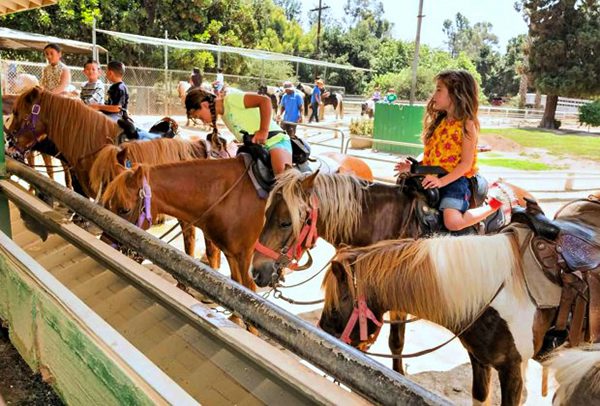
152,91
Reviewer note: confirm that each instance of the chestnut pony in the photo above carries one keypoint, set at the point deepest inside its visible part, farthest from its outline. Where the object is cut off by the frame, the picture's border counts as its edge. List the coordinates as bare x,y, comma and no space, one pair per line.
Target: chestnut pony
217,196
87,142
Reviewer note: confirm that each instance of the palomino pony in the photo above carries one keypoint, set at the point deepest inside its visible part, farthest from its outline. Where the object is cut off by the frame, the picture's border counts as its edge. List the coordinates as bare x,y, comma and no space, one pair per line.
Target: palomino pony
472,285
577,372
350,212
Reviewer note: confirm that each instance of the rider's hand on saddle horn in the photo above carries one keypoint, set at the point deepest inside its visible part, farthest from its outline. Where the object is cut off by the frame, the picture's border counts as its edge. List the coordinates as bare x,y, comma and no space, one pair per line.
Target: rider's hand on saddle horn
260,137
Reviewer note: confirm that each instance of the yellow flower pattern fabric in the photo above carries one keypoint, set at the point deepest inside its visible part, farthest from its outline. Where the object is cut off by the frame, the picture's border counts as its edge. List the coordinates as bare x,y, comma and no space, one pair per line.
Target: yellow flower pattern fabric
444,147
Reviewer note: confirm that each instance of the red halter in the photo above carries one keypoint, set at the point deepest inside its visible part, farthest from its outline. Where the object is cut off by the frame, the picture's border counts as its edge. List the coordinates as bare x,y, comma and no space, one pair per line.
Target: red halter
361,313
307,238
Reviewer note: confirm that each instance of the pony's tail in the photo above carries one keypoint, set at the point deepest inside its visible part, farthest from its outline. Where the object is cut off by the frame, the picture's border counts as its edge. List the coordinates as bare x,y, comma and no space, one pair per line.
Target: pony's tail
341,107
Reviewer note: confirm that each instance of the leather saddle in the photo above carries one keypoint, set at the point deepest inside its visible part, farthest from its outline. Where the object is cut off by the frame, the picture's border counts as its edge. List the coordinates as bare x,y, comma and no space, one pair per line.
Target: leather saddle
576,244
428,213
259,160
568,251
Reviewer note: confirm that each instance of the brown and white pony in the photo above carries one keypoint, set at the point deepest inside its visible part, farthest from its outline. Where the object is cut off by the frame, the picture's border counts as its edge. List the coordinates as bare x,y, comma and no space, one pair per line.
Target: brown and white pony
472,284
577,372
336,100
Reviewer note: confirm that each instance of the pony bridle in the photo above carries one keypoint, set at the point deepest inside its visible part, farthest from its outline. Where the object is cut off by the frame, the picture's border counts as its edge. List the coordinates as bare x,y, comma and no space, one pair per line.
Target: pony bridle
29,125
144,204
361,313
290,254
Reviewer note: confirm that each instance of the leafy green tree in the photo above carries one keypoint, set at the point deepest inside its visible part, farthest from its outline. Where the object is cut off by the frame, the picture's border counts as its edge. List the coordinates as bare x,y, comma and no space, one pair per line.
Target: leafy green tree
292,8
462,37
563,55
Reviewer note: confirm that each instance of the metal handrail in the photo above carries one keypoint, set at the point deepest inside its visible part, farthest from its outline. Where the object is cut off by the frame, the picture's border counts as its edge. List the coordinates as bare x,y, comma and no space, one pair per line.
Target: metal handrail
321,127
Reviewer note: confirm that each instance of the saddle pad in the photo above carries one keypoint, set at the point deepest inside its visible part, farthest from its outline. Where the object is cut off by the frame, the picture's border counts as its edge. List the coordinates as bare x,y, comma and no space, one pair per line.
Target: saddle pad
544,293
325,165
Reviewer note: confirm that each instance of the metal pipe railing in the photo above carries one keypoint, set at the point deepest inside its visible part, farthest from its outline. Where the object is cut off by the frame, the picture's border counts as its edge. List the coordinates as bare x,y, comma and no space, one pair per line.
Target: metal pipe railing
363,375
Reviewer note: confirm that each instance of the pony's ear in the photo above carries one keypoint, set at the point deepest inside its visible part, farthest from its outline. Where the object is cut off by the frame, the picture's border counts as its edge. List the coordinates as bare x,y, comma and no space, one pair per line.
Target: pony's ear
135,180
309,182
287,167
33,94
338,271
122,156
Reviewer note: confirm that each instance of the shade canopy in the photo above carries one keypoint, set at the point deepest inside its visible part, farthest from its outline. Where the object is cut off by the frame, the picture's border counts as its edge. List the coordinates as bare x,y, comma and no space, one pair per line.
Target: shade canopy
13,6
250,53
13,39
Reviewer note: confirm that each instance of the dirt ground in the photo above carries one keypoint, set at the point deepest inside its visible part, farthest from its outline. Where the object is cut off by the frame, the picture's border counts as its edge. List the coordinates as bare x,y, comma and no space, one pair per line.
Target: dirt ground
18,384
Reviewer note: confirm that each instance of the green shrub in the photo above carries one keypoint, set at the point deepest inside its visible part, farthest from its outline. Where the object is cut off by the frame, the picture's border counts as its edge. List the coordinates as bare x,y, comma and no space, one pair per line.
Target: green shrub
363,127
589,114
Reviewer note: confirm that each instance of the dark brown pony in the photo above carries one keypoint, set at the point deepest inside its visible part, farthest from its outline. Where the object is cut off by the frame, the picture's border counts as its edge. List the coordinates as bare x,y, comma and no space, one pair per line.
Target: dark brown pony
350,212
77,131
215,195
112,161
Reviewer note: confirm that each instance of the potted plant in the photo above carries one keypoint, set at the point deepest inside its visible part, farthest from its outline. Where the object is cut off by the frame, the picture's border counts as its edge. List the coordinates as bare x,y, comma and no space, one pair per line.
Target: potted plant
361,128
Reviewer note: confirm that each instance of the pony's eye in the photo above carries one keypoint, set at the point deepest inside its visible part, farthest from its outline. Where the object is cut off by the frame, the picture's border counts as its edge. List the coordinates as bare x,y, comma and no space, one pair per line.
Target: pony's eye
285,224
123,211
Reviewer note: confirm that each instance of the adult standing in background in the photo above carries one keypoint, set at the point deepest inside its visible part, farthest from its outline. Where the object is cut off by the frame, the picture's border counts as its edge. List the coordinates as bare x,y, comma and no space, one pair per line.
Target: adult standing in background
291,107
315,101
56,76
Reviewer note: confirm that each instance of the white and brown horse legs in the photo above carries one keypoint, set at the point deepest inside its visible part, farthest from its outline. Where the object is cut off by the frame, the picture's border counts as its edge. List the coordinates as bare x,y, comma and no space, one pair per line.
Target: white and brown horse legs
482,377
396,339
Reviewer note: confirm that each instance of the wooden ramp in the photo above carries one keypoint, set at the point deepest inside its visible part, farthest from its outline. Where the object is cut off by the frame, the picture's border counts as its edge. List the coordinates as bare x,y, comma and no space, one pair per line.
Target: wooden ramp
106,334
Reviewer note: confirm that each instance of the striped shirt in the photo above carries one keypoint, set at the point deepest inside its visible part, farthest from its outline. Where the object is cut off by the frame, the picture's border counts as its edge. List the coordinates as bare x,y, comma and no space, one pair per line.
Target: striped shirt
92,93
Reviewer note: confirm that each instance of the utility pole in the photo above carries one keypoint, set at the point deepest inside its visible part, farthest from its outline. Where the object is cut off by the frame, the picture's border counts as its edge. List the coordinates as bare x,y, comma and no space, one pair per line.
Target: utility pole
415,63
319,9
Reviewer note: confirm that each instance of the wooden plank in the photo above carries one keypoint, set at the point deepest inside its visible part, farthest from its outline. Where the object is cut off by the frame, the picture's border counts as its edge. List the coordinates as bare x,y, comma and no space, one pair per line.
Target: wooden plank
88,361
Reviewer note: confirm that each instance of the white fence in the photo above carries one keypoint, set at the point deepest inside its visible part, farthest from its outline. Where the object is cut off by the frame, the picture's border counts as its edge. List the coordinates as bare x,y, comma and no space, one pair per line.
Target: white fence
152,91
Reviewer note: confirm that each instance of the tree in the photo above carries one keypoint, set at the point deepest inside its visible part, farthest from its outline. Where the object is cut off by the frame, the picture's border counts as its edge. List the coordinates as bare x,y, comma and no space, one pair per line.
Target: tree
500,76
292,9
563,55
464,38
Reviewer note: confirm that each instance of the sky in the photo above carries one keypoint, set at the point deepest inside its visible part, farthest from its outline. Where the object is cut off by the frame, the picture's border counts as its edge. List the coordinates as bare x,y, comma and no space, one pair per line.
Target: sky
507,23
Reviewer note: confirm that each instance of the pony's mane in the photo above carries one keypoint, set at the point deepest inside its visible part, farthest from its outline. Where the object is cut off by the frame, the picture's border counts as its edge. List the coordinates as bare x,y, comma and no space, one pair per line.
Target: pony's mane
117,190
575,366
76,129
340,201
447,280
158,151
